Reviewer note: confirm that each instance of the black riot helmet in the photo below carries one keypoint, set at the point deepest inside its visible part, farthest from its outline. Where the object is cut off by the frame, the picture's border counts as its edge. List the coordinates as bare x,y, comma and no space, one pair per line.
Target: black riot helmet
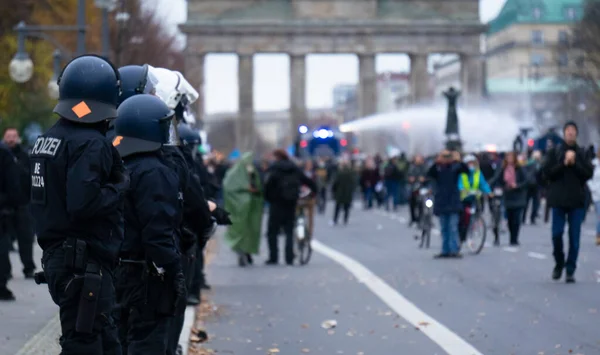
142,125
135,80
89,88
187,135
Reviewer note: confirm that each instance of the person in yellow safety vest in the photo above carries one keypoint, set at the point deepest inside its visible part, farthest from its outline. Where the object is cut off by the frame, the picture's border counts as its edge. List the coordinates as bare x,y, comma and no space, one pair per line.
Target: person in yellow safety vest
472,184
471,187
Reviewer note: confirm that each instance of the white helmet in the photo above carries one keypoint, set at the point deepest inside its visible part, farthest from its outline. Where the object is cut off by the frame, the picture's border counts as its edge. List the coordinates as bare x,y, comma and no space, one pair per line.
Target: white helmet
469,158
172,87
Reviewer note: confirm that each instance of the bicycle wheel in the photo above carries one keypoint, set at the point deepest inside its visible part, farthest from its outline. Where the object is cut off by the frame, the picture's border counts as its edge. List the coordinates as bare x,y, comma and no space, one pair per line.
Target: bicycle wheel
426,231
304,247
476,234
305,251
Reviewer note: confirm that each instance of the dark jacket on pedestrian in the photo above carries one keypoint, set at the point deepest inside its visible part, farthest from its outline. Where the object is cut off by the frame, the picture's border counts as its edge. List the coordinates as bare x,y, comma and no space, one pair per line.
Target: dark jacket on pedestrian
566,184
447,195
278,172
22,159
344,185
517,197
369,177
9,181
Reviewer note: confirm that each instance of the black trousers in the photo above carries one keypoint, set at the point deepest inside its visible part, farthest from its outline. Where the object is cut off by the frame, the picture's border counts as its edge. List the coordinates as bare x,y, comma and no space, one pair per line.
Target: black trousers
5,243
514,217
281,218
65,290
338,208
141,329
20,228
197,277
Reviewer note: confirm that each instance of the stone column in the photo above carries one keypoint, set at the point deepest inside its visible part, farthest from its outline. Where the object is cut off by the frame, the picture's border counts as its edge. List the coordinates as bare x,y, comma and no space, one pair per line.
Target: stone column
298,111
419,78
367,78
194,73
245,130
471,76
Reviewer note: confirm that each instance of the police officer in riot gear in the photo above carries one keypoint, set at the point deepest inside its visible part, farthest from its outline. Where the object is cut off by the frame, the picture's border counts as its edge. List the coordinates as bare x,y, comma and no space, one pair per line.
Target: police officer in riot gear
149,280
135,80
76,195
9,202
196,210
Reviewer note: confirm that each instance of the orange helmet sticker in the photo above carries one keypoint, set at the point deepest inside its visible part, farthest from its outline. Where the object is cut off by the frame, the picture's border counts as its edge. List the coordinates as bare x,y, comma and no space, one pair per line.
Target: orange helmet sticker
117,140
81,109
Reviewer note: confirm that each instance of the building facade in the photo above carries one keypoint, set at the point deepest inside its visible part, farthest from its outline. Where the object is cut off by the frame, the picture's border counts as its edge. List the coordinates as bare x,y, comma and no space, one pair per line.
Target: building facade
302,27
527,60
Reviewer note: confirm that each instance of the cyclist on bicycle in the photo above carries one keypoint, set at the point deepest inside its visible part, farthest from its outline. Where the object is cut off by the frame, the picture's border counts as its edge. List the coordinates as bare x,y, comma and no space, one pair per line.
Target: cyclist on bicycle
471,187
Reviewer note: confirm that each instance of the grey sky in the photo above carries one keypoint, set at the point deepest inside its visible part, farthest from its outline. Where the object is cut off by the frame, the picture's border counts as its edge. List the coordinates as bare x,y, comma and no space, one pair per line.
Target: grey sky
271,86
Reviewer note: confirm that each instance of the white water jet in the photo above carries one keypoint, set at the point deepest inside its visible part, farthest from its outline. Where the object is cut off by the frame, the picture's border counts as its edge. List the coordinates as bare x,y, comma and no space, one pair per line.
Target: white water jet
420,129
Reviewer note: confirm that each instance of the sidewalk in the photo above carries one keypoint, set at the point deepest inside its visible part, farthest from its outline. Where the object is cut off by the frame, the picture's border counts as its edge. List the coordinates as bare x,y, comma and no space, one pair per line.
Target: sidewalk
23,319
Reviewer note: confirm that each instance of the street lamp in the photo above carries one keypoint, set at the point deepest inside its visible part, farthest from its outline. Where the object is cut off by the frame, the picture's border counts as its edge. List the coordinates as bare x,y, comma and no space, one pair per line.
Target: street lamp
121,17
20,67
106,6
53,83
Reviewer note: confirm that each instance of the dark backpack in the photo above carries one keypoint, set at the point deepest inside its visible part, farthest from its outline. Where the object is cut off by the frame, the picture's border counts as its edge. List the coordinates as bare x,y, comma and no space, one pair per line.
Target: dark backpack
289,187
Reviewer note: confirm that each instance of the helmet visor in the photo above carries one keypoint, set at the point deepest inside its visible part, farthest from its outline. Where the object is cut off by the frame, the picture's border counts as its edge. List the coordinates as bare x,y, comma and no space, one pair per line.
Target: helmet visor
151,82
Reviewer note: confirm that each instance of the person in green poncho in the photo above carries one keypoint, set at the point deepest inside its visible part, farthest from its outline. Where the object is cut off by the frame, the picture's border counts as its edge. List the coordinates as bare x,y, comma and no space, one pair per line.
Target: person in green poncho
242,191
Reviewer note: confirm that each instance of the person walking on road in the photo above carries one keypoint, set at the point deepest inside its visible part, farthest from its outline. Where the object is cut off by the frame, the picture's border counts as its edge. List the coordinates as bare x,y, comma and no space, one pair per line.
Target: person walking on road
369,178
20,223
513,179
344,186
567,171
9,201
594,185
282,190
445,173
243,199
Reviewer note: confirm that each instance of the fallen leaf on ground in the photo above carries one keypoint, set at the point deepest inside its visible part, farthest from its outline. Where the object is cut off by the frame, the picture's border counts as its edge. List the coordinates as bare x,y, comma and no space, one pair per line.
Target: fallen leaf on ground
305,350
305,326
198,336
329,324
423,324
273,351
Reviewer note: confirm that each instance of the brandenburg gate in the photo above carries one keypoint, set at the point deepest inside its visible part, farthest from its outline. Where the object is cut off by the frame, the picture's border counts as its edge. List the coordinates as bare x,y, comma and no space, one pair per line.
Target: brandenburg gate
301,27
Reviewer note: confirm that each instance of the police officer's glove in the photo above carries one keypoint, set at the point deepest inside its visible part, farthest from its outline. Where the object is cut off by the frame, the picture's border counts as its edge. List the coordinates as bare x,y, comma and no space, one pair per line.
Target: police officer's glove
188,241
121,180
221,216
208,233
175,275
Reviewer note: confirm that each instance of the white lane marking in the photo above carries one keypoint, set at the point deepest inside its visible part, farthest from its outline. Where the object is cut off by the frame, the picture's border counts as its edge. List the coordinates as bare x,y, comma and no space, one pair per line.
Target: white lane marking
511,249
45,341
436,331
186,331
436,232
535,255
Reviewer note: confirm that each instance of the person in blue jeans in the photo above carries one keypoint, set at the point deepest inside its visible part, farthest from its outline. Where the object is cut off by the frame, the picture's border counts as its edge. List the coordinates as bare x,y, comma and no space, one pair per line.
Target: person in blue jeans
447,206
567,170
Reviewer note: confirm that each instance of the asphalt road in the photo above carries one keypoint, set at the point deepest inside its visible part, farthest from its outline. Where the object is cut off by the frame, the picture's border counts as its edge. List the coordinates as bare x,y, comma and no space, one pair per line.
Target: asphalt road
390,297
386,295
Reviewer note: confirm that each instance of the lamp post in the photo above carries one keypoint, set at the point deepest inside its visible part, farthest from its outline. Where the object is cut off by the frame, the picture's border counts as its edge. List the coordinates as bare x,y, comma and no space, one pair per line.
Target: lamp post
121,17
53,83
20,67
106,6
